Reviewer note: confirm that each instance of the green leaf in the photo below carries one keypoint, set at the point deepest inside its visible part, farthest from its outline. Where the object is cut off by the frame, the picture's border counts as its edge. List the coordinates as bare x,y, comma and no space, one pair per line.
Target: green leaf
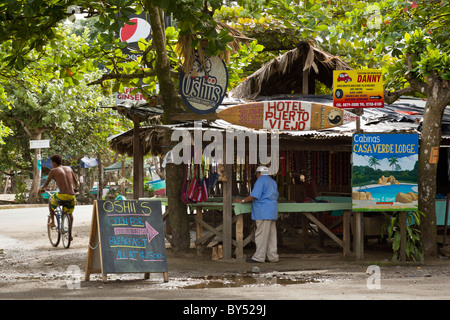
321,27
396,241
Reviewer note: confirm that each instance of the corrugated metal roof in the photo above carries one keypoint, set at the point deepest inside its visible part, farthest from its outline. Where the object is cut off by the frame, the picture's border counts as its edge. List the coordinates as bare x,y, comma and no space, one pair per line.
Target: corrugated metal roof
405,115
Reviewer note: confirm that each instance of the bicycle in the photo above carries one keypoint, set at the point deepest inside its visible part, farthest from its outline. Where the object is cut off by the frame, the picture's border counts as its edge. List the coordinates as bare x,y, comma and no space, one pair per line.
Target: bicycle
63,225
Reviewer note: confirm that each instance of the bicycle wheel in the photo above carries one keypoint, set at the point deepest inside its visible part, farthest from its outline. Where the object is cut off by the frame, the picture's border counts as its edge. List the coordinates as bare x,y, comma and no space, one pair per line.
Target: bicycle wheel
66,230
53,232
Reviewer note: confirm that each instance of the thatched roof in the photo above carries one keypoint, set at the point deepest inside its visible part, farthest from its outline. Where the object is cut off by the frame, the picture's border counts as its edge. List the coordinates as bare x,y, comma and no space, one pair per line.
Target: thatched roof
284,74
140,111
151,139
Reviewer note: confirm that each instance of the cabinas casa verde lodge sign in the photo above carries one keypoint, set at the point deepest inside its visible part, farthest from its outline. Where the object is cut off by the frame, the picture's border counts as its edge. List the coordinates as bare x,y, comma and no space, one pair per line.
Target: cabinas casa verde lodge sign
204,88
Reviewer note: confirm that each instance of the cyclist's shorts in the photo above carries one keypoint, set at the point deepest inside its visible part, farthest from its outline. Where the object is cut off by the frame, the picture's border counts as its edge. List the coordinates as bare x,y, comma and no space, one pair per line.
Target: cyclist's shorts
63,197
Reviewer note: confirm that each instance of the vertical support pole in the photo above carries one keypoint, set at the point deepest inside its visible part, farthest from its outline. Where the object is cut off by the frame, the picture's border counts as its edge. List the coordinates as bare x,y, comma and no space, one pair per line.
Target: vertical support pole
305,230
100,177
227,211
305,82
240,237
444,240
346,235
305,77
359,236
199,229
138,163
403,235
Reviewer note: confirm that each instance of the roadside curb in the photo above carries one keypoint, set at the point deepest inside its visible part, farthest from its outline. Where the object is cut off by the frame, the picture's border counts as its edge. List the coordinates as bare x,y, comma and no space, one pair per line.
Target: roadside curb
18,206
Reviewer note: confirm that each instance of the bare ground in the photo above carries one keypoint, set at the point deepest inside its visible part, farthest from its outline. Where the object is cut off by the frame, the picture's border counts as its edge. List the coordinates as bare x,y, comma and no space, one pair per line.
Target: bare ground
32,269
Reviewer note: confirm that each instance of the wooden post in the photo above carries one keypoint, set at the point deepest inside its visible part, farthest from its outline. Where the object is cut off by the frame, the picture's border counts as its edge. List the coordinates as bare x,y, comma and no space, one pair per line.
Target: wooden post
100,177
444,240
227,211
305,230
138,163
240,237
403,235
359,236
305,82
346,235
199,229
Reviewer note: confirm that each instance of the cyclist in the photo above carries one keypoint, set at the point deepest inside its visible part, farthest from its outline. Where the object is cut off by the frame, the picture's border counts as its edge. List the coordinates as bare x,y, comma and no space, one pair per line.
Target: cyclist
67,184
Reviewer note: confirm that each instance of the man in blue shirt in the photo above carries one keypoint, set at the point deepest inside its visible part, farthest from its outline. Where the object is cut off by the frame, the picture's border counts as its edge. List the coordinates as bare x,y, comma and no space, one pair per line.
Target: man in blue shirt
264,198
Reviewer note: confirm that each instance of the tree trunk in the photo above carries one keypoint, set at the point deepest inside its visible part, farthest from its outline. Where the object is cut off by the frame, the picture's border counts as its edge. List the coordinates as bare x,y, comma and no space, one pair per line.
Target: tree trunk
438,98
178,217
138,162
100,177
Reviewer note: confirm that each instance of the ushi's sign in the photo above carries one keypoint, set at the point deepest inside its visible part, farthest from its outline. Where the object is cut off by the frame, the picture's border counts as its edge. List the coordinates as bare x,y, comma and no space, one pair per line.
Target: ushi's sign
204,88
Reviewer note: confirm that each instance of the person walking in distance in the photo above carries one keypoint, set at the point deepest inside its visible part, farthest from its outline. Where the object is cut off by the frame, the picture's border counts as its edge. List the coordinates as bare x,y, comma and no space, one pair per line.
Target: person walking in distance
264,198
67,185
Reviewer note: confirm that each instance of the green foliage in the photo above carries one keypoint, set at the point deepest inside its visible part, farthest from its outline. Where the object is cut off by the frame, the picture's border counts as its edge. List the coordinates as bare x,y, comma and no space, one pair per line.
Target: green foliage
21,189
414,249
427,56
4,132
366,34
51,96
239,61
30,25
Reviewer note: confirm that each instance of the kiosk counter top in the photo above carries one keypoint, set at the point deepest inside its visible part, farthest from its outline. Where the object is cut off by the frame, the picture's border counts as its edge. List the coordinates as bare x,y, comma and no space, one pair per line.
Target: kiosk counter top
337,203
242,208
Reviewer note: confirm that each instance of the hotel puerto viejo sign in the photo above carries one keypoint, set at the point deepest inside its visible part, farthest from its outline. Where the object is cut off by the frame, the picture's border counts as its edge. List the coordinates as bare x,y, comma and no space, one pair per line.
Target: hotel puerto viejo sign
205,86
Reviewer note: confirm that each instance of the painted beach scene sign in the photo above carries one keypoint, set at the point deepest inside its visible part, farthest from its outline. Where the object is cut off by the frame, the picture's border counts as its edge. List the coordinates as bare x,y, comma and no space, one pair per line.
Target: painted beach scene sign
385,172
289,115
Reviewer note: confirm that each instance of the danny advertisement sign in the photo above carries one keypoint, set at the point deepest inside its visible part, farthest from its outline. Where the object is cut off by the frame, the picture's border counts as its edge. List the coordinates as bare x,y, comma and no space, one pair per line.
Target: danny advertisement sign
385,172
358,88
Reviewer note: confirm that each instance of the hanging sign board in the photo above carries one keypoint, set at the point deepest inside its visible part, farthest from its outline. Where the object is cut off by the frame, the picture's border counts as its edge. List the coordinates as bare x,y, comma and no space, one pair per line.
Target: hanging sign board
385,172
126,237
204,88
39,144
136,28
358,88
289,115
434,155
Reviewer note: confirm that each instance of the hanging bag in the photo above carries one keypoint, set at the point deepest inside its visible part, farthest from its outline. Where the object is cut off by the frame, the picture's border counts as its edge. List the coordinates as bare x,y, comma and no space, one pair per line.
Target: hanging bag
197,190
184,196
193,186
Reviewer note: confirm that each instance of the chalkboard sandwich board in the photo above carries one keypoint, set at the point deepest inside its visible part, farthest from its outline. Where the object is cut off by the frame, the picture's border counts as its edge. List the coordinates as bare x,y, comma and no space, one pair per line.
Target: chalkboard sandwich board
127,236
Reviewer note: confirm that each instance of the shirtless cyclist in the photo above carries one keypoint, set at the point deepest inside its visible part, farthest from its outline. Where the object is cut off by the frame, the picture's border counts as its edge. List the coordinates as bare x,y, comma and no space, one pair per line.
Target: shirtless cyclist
67,184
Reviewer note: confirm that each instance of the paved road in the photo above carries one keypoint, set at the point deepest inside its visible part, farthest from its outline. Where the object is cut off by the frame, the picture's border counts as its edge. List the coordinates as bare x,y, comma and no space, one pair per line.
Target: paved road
28,219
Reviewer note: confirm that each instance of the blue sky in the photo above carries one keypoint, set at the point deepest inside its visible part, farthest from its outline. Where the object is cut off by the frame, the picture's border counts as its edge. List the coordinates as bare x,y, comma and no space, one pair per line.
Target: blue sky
405,163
